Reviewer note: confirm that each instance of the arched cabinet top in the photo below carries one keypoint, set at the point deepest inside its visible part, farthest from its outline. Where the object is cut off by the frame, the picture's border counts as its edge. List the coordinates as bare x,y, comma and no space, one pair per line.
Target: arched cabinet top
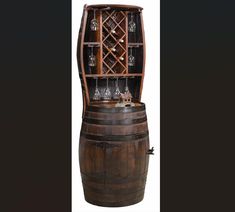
113,6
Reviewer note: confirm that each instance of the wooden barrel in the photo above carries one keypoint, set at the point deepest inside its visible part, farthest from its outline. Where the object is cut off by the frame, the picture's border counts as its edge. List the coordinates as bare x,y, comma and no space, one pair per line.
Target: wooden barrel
113,154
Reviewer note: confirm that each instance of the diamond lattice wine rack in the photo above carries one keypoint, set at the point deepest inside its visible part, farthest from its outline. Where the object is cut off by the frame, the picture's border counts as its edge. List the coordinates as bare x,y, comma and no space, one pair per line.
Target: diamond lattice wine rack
111,49
114,142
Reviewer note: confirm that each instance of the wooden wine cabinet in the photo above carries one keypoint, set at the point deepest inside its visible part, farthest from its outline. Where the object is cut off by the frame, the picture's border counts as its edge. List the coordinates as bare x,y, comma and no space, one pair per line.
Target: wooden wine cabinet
114,142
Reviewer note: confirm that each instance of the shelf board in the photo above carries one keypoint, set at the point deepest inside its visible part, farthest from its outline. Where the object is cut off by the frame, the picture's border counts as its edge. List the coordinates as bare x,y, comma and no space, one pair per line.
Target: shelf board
90,44
109,103
135,44
114,75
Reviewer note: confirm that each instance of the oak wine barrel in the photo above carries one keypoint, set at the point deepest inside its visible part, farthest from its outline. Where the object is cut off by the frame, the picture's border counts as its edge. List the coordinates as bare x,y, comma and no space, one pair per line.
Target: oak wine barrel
114,154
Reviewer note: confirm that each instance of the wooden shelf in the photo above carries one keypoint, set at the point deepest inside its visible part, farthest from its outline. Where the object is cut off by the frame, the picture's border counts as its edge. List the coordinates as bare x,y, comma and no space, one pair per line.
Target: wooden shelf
135,44
109,103
114,75
90,44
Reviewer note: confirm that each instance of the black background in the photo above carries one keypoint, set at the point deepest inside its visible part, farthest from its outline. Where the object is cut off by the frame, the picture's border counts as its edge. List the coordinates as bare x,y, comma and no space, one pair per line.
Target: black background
197,105
35,106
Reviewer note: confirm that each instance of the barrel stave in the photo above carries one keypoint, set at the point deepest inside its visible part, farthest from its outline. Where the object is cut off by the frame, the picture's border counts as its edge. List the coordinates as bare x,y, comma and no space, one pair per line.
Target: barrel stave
113,157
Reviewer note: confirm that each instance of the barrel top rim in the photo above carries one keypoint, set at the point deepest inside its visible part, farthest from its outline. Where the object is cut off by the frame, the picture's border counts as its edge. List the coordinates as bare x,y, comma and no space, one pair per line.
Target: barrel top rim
106,105
113,6
108,109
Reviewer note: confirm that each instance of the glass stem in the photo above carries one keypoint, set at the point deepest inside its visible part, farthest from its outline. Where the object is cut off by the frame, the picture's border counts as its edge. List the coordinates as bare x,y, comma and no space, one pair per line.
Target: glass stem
117,83
96,83
132,17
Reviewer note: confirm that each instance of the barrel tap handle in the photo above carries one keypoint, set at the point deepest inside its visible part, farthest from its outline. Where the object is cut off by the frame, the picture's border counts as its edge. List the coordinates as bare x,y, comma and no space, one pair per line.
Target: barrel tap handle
150,151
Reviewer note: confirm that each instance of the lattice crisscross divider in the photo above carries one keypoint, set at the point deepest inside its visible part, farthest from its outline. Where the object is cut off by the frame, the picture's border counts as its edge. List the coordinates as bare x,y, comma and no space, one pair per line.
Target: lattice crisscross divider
116,21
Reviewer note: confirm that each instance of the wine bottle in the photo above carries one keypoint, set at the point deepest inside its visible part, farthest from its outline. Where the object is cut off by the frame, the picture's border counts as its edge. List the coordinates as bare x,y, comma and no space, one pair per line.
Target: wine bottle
113,50
121,58
118,51
114,33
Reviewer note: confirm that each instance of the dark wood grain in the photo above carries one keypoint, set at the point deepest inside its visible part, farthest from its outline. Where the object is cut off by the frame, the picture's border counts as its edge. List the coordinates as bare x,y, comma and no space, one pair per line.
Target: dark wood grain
114,171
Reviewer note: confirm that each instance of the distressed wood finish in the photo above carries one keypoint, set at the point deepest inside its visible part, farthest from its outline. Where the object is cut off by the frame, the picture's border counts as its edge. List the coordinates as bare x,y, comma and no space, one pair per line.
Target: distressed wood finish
114,142
113,155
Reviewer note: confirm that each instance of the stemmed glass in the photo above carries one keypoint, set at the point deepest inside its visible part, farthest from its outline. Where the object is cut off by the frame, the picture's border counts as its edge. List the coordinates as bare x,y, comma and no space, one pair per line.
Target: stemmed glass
107,93
131,59
126,87
94,24
117,92
131,24
97,94
92,59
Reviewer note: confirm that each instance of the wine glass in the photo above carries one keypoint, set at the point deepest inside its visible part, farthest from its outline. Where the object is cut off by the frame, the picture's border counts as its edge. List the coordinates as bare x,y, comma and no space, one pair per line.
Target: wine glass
97,94
92,59
127,92
94,24
131,59
117,92
126,87
131,24
107,93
